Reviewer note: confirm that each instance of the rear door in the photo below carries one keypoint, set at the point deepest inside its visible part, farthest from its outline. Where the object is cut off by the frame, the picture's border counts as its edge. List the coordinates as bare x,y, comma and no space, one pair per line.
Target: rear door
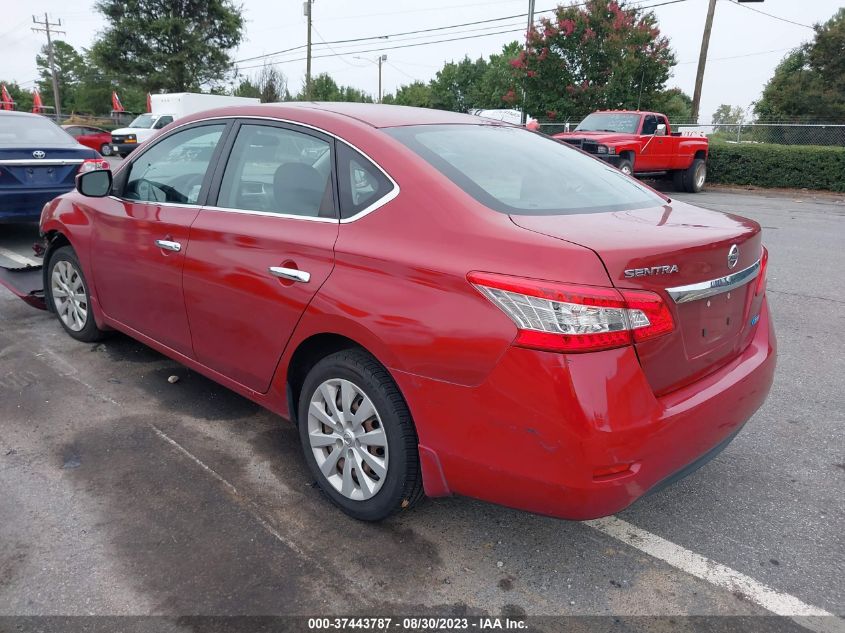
141,233
261,249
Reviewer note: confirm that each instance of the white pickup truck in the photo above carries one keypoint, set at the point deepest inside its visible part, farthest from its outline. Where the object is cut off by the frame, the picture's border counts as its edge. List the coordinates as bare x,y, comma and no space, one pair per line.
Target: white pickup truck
166,108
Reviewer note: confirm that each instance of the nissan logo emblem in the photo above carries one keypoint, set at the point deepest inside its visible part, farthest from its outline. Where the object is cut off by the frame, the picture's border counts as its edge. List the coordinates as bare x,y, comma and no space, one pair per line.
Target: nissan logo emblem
733,256
39,154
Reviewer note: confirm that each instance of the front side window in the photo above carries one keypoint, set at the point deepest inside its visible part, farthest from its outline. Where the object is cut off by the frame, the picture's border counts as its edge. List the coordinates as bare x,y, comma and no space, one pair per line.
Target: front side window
512,170
173,169
276,170
143,121
361,183
165,120
649,125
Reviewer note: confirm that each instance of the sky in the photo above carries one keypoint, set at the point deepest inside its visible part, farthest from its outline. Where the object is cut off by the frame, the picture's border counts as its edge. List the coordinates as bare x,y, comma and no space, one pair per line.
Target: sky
745,46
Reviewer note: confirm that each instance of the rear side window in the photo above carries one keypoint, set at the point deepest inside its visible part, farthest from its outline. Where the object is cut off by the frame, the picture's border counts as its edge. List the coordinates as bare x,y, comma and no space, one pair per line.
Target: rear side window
276,170
361,183
512,170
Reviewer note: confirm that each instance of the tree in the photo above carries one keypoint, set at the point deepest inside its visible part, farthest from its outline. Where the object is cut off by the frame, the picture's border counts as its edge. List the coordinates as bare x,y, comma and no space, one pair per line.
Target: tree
455,86
674,103
69,68
728,115
169,45
605,54
269,85
324,88
498,77
416,94
808,83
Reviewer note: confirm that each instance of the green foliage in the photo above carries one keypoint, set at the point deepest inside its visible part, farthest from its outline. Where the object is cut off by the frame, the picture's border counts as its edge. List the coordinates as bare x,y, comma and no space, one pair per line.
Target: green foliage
416,94
809,83
269,85
674,103
793,166
728,115
324,88
605,54
456,84
168,45
70,67
21,97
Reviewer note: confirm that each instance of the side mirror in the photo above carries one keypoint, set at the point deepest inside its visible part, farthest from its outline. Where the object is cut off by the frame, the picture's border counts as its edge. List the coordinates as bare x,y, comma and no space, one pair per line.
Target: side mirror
661,130
94,184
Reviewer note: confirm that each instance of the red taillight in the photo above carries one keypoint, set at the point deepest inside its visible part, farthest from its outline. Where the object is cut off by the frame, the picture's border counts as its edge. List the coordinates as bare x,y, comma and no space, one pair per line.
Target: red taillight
761,275
570,318
93,164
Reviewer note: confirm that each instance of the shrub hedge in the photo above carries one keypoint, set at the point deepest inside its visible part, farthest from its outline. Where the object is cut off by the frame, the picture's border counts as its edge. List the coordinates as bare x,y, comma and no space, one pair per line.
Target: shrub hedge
764,165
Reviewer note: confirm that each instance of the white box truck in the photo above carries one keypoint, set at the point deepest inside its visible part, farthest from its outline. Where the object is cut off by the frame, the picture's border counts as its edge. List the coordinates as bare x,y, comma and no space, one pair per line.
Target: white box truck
167,108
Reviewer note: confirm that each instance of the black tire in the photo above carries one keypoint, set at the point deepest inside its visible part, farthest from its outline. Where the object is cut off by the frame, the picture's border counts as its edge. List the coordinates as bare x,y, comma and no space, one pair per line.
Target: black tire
105,149
89,332
678,180
402,485
626,165
695,176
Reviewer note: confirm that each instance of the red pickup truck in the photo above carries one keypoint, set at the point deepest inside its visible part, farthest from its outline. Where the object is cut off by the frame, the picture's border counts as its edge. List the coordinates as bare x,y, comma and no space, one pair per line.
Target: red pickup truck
642,142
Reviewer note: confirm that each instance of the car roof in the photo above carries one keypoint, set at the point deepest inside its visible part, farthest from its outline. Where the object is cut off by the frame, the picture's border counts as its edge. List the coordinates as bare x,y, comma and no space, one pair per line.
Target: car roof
18,113
371,114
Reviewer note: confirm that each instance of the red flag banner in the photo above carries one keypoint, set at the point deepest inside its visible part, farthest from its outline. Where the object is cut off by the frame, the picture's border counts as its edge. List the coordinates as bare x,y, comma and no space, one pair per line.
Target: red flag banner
37,105
6,102
115,102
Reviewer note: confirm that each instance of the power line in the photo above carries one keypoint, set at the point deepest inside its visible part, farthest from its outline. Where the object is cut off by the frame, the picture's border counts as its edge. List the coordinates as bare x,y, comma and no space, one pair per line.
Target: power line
434,29
718,59
776,17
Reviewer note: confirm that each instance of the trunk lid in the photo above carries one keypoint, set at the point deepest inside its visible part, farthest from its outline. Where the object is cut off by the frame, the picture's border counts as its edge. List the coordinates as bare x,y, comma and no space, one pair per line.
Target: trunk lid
20,168
667,247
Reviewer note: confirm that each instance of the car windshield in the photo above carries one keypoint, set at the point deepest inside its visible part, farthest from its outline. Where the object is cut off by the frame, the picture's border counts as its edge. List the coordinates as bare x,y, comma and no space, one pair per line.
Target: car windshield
144,121
610,122
32,130
512,170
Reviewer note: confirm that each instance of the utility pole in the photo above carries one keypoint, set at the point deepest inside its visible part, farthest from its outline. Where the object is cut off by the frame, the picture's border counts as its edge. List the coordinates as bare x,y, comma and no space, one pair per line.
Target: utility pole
702,56
306,7
380,60
702,60
530,26
45,27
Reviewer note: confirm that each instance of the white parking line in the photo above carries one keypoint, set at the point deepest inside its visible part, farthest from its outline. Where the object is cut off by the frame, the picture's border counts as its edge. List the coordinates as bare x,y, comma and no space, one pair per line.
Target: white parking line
777,602
18,258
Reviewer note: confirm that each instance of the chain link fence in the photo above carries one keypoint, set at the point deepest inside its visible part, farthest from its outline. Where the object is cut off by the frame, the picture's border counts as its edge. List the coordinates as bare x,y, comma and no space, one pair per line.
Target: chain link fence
778,133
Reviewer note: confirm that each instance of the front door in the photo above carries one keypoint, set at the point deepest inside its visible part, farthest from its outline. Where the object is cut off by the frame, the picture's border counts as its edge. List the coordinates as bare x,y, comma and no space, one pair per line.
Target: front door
653,155
141,234
260,253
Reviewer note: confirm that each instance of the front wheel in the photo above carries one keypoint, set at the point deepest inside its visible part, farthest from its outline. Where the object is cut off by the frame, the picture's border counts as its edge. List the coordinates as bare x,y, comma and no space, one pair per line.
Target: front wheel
358,437
69,296
105,149
695,176
626,166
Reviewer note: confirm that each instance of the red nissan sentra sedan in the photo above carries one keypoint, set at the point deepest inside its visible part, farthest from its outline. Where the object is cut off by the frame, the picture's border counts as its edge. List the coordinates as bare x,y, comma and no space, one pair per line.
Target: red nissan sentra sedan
442,304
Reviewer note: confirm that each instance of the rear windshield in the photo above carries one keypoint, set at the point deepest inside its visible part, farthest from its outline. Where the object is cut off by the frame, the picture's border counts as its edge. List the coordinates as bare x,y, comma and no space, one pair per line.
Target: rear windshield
32,130
514,171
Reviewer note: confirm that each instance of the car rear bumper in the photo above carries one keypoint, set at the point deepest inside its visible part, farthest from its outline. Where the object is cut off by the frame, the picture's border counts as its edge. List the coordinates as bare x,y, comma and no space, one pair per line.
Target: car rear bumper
23,205
545,432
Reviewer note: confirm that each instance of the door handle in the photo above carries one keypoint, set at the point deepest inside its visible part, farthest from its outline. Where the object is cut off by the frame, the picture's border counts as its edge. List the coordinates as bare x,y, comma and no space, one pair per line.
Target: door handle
290,273
169,246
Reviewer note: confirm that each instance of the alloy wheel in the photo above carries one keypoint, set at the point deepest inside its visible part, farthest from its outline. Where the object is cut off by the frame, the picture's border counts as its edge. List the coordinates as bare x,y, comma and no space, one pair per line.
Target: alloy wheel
69,296
347,439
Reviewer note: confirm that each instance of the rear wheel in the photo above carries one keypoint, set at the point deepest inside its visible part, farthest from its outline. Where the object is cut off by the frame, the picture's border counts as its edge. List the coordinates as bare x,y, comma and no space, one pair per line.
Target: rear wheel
105,149
358,437
69,296
678,180
626,166
695,176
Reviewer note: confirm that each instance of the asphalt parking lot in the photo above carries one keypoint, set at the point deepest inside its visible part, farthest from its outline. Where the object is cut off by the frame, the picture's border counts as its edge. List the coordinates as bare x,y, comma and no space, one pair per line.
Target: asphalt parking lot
125,494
